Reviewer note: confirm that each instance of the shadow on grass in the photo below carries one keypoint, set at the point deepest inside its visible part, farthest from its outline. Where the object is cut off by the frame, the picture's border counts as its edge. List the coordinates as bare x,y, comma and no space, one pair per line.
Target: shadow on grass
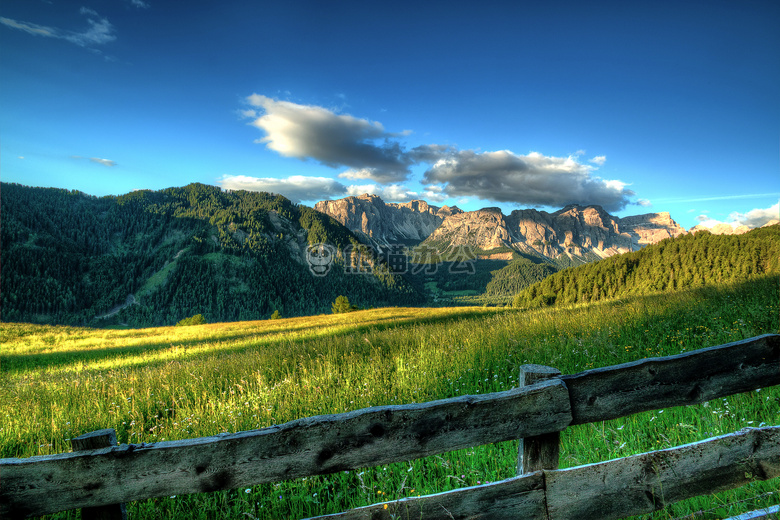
78,358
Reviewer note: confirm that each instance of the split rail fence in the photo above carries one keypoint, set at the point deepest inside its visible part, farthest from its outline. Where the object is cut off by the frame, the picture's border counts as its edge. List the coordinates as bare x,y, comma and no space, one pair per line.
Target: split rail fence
101,476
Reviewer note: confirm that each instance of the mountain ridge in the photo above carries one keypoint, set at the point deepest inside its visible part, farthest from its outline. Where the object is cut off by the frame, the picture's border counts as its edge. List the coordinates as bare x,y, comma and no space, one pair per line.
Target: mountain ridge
385,223
575,232
155,257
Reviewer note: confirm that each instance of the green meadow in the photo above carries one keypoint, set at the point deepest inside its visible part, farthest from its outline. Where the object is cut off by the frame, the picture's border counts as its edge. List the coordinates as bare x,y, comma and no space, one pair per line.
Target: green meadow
168,383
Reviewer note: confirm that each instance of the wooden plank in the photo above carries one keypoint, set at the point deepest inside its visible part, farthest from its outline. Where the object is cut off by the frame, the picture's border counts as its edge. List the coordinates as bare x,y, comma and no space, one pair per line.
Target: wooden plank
651,481
684,379
540,451
91,441
767,513
514,498
613,489
305,447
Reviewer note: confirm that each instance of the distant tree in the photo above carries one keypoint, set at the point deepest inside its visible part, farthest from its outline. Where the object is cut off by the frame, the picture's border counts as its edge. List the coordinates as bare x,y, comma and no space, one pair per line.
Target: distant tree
198,319
341,305
276,315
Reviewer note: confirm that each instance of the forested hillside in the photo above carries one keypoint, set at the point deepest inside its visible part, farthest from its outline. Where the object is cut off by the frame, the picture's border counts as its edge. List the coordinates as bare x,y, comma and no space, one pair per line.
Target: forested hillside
517,275
686,261
153,258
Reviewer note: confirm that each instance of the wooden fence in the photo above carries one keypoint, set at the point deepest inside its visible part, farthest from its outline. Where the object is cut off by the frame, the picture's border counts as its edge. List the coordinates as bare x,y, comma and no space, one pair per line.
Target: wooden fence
545,404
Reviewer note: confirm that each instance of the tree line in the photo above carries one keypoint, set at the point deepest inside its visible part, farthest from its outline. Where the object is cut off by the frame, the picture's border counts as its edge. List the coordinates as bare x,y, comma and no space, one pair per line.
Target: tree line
691,260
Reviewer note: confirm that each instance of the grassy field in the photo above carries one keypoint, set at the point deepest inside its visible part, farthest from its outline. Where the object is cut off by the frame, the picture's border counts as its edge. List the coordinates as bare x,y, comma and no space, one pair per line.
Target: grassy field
180,382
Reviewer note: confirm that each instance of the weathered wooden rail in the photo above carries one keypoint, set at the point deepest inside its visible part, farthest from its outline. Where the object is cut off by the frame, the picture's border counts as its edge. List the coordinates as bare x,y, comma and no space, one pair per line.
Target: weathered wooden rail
374,436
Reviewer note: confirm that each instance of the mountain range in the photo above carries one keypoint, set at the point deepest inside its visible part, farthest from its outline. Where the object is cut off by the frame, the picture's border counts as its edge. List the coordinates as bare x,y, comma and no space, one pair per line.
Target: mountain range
157,257
573,234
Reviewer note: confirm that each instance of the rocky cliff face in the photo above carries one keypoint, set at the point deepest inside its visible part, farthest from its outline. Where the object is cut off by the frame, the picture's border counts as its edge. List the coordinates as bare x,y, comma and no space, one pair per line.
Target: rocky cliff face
483,229
650,228
382,223
574,231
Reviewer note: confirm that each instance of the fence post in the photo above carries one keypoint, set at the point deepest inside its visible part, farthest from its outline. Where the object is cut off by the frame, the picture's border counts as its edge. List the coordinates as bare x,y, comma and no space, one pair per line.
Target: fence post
92,441
540,451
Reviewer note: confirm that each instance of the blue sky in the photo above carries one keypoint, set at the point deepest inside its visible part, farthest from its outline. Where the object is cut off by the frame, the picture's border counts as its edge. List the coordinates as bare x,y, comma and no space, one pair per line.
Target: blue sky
637,106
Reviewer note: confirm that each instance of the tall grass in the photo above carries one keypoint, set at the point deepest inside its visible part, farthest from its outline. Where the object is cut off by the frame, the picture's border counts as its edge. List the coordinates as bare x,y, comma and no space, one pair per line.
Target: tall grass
173,383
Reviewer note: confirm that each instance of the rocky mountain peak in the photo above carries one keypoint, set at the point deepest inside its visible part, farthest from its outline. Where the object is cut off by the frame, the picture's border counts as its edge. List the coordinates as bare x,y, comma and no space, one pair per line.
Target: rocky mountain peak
650,228
573,231
376,221
446,211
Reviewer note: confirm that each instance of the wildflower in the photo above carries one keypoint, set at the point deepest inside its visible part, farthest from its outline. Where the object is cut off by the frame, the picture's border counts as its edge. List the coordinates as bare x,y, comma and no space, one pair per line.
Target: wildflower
247,490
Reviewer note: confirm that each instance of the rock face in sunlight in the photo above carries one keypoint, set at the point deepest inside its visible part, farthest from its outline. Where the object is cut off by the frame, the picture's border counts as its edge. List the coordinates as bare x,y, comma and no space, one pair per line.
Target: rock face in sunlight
574,231
651,228
376,221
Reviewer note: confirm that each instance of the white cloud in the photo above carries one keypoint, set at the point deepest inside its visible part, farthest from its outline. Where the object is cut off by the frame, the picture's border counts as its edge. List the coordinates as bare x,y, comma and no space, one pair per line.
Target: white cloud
532,179
754,218
434,193
31,28
615,185
710,223
372,174
392,193
397,193
599,160
312,132
757,217
99,32
98,160
296,188
104,162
